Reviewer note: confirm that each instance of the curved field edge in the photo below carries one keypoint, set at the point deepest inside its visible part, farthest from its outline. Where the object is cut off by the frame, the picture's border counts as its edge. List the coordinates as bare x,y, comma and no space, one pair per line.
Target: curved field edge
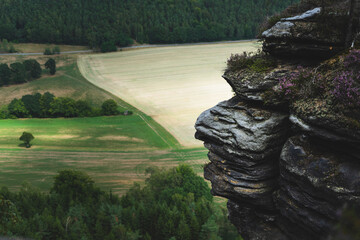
173,85
69,82
163,134
115,151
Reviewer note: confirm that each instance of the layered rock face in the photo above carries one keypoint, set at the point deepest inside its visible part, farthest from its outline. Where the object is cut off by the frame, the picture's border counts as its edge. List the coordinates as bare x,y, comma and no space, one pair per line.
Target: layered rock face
244,145
284,178
311,34
287,174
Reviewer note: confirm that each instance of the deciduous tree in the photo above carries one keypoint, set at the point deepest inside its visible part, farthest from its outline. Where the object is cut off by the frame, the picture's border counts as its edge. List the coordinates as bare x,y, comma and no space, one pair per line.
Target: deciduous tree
5,74
32,104
18,72
33,68
51,65
109,107
27,138
17,109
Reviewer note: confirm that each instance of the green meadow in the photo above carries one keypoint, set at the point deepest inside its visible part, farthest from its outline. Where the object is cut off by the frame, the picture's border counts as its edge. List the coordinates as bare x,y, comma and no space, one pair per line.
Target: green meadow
115,151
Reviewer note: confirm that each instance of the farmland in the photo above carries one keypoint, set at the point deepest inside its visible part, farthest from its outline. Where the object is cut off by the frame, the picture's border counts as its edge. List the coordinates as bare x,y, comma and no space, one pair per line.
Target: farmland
173,85
115,151
68,82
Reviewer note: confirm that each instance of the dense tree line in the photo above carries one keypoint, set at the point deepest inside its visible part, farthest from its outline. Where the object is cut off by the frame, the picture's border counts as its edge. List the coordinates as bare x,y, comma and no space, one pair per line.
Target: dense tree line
19,72
48,106
173,204
105,23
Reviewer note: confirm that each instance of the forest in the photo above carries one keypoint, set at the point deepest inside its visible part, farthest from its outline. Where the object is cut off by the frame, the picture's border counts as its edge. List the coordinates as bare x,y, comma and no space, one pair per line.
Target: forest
173,204
107,23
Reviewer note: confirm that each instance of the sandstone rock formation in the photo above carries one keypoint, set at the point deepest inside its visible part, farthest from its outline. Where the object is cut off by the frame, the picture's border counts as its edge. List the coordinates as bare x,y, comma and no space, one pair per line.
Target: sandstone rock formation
311,34
287,173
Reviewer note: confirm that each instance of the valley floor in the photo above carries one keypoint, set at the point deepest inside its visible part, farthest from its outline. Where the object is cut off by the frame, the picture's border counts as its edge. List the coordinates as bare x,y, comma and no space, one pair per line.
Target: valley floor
170,86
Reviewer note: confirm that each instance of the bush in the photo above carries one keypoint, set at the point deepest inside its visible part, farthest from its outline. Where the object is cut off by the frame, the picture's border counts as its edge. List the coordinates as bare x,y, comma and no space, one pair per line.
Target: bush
32,104
5,45
109,107
290,86
84,109
48,51
4,112
51,65
258,62
18,73
33,68
75,186
5,74
12,49
8,215
63,107
347,88
339,87
108,46
56,50
17,109
123,41
45,104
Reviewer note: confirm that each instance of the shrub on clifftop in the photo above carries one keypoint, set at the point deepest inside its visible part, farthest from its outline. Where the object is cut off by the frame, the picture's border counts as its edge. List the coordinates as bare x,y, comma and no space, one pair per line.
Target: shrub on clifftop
257,62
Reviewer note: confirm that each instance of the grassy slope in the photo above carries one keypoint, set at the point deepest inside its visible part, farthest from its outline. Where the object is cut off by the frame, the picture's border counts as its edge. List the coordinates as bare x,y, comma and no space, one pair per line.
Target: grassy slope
90,134
68,82
113,150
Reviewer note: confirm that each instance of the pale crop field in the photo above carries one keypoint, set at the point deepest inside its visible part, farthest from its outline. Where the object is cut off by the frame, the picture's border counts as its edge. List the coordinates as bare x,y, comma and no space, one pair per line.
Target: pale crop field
173,85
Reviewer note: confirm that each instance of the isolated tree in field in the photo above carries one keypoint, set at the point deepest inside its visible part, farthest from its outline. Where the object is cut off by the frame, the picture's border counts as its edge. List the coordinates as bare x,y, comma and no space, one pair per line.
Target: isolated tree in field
32,68
51,65
109,107
27,138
